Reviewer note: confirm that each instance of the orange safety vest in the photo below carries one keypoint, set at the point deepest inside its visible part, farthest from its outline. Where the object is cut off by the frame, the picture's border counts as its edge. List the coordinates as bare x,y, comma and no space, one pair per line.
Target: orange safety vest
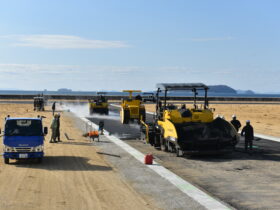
93,134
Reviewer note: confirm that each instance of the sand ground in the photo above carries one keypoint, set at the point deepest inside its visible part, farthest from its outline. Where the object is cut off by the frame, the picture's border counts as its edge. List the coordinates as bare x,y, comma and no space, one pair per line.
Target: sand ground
265,118
72,175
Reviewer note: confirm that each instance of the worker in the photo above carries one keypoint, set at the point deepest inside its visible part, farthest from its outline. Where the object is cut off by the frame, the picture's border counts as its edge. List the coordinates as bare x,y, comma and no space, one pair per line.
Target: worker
53,108
34,104
102,98
248,131
138,97
101,127
236,123
58,128
54,128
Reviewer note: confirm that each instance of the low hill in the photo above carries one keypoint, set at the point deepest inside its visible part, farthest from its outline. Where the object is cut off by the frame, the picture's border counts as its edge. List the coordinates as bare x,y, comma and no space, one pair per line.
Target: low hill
221,89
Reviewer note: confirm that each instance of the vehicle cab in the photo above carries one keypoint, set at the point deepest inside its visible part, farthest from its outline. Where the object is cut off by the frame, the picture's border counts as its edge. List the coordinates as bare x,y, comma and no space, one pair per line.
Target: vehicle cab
148,97
23,138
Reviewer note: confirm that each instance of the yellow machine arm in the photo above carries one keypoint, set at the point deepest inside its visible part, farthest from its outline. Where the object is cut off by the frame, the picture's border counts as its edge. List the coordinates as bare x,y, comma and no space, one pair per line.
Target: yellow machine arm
132,91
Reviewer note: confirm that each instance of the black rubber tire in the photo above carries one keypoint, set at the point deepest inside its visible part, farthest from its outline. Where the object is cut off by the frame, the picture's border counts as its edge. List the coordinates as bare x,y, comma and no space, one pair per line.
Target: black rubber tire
125,119
6,160
157,141
126,116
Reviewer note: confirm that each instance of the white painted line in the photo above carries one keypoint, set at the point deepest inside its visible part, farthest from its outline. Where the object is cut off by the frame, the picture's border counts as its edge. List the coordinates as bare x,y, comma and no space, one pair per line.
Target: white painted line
271,138
115,105
196,194
151,113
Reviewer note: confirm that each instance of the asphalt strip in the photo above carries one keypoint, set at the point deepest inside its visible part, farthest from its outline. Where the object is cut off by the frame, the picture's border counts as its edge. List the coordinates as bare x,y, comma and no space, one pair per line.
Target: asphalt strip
196,194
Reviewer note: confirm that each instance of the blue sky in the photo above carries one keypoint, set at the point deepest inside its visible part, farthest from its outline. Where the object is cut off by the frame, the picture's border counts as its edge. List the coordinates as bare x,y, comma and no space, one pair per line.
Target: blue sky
134,44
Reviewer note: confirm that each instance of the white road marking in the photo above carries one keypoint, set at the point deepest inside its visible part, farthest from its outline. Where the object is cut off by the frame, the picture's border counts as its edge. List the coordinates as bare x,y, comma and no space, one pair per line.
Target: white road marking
196,194
266,137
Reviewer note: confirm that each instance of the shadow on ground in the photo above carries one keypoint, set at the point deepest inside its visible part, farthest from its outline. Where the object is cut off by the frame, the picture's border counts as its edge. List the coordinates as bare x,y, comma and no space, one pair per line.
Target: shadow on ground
108,154
76,143
64,163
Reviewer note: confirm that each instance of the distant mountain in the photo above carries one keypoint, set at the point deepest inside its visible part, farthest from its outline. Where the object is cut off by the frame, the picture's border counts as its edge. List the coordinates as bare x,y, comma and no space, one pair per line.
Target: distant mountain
221,89
246,92
64,90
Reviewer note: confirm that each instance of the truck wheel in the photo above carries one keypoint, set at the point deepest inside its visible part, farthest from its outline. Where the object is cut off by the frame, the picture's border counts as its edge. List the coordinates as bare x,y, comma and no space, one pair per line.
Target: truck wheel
6,160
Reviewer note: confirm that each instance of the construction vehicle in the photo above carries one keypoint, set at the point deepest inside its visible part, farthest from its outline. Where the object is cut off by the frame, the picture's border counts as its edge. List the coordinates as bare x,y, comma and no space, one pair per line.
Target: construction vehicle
24,138
132,108
99,104
39,103
148,97
188,130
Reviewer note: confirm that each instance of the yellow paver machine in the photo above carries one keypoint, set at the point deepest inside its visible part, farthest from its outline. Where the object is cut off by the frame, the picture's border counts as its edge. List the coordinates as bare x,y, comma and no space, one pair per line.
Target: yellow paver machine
188,130
132,108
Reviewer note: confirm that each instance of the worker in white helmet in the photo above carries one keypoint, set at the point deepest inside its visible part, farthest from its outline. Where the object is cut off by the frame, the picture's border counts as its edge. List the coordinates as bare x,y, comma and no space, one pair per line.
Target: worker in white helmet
236,123
248,131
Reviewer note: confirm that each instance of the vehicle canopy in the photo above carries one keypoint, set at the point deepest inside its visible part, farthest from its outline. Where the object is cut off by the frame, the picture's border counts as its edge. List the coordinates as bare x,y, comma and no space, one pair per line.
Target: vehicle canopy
182,86
194,87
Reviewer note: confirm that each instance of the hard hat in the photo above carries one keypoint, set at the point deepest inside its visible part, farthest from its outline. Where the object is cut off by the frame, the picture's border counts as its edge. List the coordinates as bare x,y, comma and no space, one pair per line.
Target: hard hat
247,121
233,116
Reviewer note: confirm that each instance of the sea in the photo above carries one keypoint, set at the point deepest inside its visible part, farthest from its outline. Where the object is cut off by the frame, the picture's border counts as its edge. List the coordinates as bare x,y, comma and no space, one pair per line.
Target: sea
115,93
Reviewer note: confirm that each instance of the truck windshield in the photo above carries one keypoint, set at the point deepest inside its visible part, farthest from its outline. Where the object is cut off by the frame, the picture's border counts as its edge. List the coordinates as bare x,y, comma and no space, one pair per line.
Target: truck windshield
23,128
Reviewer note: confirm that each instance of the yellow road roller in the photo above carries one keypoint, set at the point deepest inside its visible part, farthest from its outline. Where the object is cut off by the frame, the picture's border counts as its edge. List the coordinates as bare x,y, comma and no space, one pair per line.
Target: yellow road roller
132,108
99,104
190,128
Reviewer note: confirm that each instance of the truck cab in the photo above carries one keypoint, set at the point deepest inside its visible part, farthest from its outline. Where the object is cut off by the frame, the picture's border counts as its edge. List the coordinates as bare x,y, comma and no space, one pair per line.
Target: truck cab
23,139
148,97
